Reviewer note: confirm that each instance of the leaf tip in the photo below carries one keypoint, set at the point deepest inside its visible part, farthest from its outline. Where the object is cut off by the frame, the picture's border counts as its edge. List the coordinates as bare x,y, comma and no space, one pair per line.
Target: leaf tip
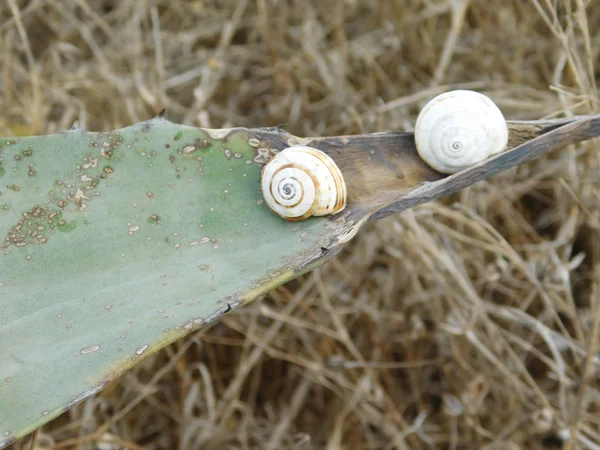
161,114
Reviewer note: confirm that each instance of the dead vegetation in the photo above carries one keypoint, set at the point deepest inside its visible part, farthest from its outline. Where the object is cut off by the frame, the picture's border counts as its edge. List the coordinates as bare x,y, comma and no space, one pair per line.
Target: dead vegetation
467,323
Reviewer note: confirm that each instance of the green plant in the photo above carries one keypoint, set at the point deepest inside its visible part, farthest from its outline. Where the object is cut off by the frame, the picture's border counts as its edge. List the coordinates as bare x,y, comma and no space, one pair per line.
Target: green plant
117,244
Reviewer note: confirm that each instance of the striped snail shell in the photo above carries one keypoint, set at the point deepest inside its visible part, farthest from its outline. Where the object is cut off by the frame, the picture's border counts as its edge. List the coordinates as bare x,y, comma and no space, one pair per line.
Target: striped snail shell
300,182
458,129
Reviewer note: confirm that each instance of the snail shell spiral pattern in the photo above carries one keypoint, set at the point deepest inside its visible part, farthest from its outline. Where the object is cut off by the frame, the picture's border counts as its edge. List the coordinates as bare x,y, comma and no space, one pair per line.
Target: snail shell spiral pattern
300,182
458,129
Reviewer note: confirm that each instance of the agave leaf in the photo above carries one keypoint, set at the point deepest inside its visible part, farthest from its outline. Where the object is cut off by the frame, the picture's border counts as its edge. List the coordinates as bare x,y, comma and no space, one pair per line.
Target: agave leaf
114,245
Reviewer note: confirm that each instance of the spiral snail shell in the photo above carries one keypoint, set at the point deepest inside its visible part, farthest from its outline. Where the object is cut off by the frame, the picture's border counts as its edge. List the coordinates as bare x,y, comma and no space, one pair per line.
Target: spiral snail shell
458,129
300,182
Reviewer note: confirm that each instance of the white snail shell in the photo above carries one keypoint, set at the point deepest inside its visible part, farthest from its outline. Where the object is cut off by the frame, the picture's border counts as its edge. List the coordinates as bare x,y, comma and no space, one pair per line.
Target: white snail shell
458,129
300,182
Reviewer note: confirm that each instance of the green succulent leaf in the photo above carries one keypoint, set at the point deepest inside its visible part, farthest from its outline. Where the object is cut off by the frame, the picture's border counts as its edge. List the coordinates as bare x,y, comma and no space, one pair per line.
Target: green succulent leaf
113,245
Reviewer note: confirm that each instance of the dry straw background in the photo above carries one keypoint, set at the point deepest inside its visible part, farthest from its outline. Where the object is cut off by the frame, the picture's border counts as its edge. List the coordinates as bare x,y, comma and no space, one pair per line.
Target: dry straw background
466,323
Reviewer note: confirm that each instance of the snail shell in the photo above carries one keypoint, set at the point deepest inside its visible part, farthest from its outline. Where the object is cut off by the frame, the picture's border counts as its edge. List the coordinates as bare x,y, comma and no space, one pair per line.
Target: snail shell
300,182
458,129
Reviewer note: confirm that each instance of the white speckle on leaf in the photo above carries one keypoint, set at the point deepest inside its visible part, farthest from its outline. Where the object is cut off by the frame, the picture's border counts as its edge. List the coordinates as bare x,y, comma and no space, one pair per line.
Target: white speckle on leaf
219,133
204,240
133,229
299,141
92,349
142,349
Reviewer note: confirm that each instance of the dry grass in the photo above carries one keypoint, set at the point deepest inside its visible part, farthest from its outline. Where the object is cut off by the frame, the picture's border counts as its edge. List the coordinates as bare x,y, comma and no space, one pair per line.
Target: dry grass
466,323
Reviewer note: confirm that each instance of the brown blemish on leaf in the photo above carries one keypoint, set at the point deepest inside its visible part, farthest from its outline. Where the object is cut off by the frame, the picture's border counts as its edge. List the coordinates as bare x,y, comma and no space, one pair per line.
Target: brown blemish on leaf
34,227
154,219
